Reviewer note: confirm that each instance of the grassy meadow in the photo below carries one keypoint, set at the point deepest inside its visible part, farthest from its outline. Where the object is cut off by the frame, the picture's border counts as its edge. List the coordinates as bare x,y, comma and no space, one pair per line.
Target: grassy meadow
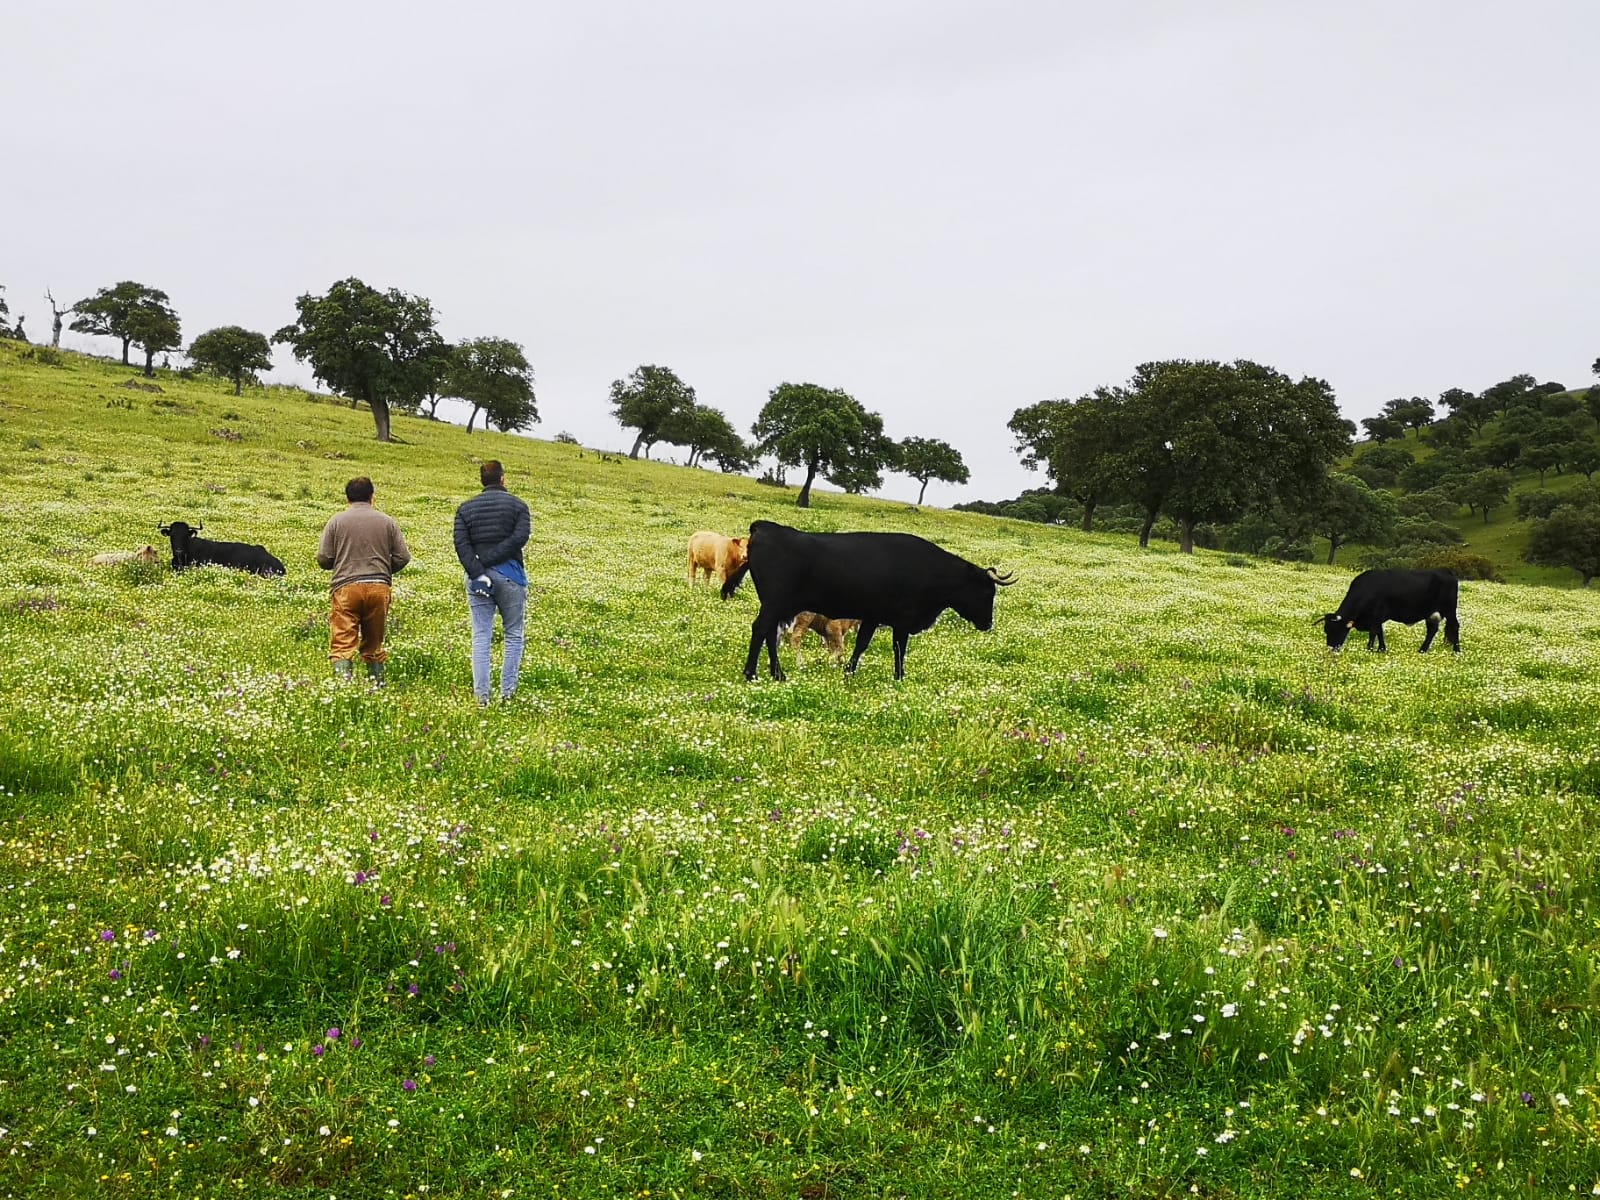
1142,894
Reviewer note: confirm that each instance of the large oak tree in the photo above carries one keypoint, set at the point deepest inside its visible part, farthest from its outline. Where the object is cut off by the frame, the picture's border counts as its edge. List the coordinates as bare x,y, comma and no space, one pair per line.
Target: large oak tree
494,377
232,352
649,400
130,312
929,458
825,431
380,348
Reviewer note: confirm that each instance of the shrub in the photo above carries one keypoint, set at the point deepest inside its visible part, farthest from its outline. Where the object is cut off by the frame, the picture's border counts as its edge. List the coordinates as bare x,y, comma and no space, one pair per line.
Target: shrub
45,356
566,439
1538,504
1462,563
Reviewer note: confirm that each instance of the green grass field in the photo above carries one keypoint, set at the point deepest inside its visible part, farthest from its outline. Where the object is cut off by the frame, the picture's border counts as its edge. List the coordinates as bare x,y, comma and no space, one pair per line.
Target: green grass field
1141,894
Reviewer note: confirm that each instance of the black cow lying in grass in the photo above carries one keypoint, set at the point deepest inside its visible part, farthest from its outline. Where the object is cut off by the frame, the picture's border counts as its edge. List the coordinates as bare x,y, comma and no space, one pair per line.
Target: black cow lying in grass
893,579
1405,596
191,551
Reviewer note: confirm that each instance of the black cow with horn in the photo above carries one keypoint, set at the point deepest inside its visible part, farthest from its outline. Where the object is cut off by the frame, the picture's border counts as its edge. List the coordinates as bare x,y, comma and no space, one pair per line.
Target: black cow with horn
1396,595
188,550
893,579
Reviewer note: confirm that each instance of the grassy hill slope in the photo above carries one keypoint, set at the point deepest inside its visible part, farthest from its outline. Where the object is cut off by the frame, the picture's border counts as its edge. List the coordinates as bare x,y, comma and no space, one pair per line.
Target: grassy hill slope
1142,893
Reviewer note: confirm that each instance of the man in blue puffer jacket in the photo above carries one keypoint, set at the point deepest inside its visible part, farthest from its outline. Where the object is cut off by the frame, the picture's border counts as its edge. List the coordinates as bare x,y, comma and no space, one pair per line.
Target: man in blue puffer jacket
491,530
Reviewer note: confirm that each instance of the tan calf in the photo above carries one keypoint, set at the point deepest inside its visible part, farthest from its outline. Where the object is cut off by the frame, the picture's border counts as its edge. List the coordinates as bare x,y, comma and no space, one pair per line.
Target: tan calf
113,558
831,632
718,556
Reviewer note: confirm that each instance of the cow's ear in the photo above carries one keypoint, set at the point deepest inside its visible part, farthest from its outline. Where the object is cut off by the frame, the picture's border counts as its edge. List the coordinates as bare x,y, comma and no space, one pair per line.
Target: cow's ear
1349,624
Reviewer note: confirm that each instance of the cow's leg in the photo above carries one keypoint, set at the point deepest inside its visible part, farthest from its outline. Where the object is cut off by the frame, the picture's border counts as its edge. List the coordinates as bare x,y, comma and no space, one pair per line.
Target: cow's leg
774,668
1452,632
1433,632
901,638
1375,639
758,635
863,640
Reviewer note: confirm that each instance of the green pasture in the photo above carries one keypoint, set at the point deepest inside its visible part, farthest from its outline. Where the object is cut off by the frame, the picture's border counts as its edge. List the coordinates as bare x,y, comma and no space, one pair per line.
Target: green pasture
1142,894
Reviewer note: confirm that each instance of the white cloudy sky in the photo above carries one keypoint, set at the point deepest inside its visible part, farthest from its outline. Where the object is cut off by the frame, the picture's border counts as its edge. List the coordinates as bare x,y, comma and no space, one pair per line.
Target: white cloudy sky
949,209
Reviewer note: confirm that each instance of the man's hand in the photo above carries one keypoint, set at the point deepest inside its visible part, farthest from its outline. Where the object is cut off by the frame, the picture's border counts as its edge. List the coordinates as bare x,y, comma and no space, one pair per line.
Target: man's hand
481,586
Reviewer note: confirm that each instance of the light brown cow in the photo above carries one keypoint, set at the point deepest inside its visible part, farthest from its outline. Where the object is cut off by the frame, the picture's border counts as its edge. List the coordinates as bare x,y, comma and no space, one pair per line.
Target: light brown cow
718,556
114,558
831,632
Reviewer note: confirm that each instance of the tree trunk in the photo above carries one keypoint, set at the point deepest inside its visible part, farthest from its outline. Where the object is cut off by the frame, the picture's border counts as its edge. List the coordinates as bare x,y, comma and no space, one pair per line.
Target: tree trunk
472,416
1144,531
805,492
922,493
1088,516
125,343
637,442
380,416
1333,548
55,334
238,385
149,364
1186,536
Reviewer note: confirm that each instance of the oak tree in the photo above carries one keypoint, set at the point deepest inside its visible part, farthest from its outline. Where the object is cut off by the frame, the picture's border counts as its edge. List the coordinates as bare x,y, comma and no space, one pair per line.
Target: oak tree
232,352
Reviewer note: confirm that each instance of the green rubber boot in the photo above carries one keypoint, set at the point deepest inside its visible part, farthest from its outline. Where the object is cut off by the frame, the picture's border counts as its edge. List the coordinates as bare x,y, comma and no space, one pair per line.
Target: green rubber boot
344,668
375,674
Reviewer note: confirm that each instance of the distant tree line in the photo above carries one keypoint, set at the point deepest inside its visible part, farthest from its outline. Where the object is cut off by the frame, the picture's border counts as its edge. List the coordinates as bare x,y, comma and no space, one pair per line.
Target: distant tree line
824,432
383,349
1239,457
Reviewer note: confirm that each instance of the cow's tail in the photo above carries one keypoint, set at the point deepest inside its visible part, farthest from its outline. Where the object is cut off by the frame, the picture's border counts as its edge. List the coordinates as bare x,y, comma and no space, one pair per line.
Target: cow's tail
733,581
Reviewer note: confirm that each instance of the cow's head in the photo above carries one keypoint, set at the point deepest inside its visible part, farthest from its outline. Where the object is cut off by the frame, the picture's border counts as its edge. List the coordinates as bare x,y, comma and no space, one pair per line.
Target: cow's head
738,552
975,600
179,533
1337,628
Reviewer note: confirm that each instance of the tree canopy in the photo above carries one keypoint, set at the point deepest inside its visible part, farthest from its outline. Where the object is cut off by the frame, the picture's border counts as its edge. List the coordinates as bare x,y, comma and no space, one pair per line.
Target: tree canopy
1079,444
132,313
232,352
647,400
827,432
494,377
1347,510
929,458
381,348
1569,537
704,431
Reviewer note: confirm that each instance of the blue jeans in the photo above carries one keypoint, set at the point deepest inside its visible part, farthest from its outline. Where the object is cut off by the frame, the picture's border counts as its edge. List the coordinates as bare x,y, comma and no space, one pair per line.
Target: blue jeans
509,600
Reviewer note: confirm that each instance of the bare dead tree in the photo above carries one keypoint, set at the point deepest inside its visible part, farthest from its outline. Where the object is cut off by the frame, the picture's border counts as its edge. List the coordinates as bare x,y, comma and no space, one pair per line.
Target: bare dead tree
57,313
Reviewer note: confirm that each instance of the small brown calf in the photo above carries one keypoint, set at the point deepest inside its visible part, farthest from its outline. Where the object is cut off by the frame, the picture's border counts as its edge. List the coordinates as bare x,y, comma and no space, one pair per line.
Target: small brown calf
831,632
716,555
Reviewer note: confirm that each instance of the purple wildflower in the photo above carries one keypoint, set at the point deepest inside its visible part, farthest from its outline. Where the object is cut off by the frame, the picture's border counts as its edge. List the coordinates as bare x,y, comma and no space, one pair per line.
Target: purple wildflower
428,1060
410,1085
333,1034
107,935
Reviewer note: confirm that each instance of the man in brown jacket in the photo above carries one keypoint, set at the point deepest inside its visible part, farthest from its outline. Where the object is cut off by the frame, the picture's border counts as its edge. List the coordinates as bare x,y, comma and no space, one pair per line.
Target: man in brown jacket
363,548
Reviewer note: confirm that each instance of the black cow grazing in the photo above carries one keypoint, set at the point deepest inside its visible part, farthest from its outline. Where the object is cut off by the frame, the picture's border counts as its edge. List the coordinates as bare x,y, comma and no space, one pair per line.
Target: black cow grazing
1405,596
893,579
191,551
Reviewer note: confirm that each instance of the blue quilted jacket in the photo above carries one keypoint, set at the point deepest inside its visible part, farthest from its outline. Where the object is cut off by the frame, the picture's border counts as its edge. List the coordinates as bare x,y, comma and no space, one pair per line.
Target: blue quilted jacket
491,529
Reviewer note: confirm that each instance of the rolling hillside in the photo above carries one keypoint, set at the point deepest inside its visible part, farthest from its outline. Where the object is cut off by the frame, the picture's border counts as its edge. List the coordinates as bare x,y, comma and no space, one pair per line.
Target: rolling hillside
1143,893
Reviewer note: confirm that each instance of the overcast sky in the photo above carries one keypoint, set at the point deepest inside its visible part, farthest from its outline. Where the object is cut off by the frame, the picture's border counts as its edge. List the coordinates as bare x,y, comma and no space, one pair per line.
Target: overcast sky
950,210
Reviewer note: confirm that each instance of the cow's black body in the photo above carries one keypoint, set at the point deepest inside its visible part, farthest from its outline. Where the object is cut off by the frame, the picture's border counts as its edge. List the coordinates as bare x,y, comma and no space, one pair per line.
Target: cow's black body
893,579
191,551
1405,596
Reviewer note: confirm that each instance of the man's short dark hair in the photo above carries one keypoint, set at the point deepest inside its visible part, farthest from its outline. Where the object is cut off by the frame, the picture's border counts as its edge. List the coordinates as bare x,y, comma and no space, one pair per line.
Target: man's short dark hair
358,490
491,472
